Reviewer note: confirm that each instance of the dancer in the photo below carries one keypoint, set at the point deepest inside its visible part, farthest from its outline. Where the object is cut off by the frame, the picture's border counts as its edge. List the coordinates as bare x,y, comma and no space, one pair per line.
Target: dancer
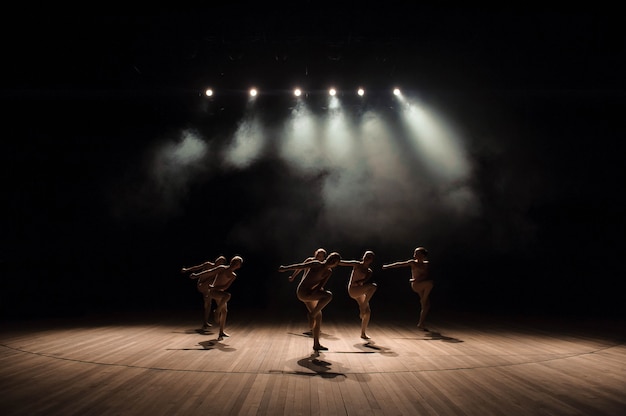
320,254
223,276
311,290
203,286
360,289
421,283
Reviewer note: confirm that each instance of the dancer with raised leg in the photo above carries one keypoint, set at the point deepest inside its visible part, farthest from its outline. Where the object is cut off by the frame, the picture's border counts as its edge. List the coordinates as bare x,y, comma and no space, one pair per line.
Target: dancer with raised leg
203,286
360,289
311,290
421,283
320,254
223,276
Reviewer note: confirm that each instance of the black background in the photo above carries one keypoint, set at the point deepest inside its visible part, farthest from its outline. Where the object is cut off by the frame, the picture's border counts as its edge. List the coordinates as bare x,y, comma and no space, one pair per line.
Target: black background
539,96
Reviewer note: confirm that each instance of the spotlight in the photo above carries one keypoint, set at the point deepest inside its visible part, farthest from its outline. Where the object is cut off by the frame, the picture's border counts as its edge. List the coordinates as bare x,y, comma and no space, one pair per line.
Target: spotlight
253,92
208,92
396,92
297,92
332,92
361,92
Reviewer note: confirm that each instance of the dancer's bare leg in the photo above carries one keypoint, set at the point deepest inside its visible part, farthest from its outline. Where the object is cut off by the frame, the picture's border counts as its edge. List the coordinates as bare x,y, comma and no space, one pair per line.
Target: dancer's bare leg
371,289
424,294
362,295
364,314
310,305
315,302
425,307
317,329
221,311
323,300
207,311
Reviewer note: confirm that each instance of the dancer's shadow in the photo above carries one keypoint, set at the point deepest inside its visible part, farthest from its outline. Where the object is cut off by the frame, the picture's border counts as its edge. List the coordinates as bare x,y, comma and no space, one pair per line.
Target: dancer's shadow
433,336
371,347
212,344
318,367
437,336
309,334
216,344
200,331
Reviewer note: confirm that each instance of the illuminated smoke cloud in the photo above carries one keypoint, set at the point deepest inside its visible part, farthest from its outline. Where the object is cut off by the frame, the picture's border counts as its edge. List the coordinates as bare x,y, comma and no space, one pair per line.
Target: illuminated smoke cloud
371,195
342,179
246,145
170,168
437,144
301,148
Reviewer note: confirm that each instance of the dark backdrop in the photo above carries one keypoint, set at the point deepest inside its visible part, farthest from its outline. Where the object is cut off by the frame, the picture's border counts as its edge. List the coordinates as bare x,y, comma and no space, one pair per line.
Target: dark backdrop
538,96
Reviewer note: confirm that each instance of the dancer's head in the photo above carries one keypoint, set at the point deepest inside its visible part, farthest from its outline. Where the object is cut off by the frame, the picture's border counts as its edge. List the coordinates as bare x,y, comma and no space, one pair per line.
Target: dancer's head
420,252
236,262
368,256
320,254
333,259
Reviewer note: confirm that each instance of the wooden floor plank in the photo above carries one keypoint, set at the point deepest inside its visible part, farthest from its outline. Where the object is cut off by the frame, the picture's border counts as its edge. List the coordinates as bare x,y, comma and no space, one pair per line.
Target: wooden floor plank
163,365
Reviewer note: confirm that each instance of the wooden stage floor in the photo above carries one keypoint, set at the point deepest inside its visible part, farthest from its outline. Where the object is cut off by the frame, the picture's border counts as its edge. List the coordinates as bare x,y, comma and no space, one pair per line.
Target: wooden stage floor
161,364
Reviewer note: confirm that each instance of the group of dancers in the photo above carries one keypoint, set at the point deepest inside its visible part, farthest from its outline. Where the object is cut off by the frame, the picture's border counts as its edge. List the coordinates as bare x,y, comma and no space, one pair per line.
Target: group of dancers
214,278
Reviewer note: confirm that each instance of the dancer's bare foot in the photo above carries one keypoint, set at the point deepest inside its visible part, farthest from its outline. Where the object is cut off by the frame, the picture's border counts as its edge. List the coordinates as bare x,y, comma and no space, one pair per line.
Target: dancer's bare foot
223,334
365,336
422,328
319,348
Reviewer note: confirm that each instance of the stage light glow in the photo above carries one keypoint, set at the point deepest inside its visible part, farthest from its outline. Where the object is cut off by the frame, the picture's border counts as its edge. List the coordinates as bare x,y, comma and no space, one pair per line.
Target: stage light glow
299,145
338,137
247,144
173,166
437,144
333,104
332,91
368,176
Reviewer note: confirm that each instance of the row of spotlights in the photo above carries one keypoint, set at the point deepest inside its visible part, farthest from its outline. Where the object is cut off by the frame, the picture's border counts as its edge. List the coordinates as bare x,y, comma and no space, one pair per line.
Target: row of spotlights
298,92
